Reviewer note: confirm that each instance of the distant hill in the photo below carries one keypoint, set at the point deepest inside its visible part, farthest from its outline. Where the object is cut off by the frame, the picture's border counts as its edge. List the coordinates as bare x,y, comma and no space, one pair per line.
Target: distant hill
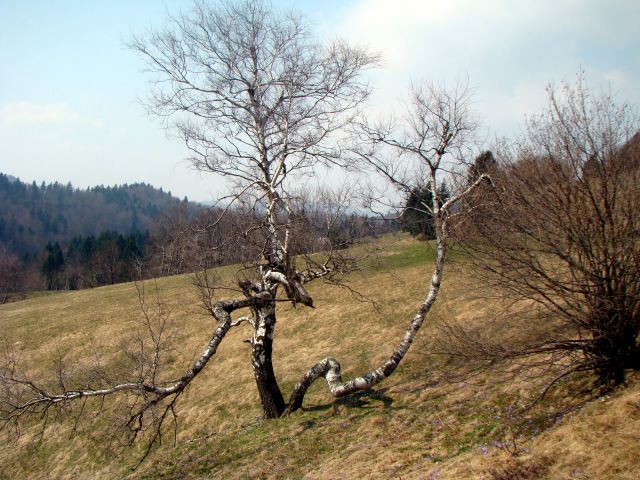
32,215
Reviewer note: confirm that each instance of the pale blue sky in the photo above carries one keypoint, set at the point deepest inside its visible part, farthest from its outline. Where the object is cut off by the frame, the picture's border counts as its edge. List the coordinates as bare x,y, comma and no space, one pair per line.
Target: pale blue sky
68,86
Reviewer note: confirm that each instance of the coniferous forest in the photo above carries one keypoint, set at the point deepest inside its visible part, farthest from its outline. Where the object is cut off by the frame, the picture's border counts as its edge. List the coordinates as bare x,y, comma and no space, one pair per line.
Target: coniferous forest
55,236
33,215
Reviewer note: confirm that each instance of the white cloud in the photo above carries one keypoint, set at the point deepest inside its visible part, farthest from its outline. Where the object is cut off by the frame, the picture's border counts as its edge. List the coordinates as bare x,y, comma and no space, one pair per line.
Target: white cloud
509,49
617,79
27,113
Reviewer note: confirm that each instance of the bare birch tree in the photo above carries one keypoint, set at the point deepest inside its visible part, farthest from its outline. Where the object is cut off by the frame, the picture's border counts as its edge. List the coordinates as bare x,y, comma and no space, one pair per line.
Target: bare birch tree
431,139
258,101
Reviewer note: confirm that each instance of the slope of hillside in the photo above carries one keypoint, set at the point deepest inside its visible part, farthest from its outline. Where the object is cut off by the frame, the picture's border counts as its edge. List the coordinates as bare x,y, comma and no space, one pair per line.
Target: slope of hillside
423,422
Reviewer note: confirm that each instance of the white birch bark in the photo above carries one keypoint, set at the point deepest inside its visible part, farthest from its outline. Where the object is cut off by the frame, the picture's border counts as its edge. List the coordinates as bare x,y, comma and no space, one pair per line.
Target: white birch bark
330,369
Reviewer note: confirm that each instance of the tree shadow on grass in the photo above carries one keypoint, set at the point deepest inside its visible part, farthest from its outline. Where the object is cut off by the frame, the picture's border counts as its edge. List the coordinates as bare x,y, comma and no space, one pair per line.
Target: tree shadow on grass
366,400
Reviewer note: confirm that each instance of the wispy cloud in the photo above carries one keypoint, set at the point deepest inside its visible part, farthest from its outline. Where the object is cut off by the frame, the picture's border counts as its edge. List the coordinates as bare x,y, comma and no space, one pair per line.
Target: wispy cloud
28,113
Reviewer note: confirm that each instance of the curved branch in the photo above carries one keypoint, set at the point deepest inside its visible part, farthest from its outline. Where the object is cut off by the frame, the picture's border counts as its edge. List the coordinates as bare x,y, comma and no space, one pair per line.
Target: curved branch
330,369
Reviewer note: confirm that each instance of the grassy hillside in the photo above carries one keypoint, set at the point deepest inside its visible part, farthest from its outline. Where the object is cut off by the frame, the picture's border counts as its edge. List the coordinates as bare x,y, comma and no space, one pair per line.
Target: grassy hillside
423,422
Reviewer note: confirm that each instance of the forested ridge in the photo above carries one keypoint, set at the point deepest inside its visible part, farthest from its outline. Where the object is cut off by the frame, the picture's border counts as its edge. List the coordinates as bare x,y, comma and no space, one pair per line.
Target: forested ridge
33,215
57,237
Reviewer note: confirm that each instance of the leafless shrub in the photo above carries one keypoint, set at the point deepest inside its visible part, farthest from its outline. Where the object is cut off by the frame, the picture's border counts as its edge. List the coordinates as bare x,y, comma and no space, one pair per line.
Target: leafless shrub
559,229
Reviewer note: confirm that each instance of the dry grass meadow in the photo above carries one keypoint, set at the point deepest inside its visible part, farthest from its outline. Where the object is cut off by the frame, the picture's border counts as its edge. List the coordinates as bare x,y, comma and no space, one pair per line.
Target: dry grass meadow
424,422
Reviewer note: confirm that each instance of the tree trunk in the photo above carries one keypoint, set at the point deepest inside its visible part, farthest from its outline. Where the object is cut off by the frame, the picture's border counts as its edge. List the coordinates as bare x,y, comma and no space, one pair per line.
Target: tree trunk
261,359
612,352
